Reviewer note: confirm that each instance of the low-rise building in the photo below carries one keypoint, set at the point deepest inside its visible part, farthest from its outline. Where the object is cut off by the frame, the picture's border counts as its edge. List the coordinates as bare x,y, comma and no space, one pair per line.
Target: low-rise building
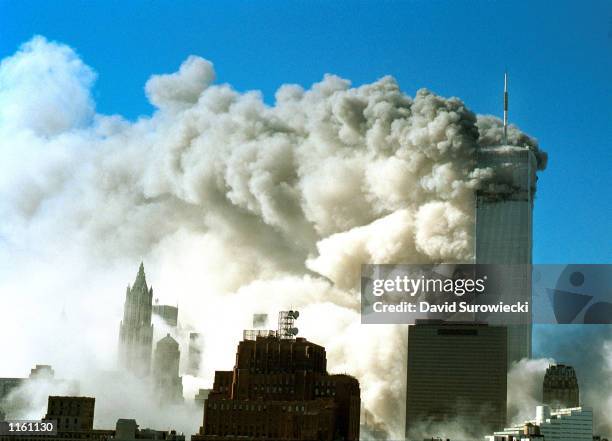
75,416
127,430
571,424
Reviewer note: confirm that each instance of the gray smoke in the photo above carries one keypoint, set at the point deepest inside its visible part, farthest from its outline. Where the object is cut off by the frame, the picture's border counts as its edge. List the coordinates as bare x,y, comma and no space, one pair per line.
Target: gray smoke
525,381
235,205
588,348
117,395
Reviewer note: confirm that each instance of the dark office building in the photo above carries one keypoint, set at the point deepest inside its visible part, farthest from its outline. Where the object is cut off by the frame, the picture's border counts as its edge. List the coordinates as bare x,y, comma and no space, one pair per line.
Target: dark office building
280,390
456,372
136,330
71,413
560,388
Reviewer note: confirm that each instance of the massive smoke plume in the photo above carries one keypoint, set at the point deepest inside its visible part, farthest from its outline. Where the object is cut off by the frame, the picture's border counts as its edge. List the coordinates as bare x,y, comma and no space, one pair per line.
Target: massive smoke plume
236,206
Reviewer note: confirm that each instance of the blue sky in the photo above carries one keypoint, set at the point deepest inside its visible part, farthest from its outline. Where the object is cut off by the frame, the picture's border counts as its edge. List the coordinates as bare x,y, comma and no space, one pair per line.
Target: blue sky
559,59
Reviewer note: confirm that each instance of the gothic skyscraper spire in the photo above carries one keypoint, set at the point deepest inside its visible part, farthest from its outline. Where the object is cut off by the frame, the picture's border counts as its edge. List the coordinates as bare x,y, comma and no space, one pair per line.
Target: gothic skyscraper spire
136,330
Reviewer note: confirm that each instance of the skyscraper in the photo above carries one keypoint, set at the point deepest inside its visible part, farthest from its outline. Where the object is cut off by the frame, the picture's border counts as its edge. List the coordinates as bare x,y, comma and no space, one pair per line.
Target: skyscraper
456,374
195,353
168,384
136,330
560,387
504,209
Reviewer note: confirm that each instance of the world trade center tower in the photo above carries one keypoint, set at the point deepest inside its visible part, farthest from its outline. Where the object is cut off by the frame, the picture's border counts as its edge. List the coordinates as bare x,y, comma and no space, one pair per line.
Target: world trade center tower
504,209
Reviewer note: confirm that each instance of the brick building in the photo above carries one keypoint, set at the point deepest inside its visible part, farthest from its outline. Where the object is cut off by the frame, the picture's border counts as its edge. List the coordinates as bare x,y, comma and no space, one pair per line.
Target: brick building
74,416
71,413
280,389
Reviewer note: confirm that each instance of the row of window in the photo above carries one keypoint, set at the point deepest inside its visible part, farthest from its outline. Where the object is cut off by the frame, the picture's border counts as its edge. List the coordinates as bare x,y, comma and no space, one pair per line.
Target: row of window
325,392
283,431
272,380
274,389
254,407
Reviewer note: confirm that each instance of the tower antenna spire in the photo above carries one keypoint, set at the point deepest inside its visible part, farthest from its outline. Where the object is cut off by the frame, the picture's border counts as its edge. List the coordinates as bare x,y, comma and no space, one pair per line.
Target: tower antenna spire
505,139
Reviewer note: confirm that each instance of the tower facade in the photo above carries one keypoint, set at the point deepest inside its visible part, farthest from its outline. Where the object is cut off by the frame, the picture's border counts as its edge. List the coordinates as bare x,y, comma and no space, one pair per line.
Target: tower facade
456,372
560,388
136,330
168,384
504,213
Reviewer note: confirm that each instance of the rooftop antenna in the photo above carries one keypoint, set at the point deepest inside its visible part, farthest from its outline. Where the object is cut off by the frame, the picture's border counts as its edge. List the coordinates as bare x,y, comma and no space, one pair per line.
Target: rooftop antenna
505,139
286,319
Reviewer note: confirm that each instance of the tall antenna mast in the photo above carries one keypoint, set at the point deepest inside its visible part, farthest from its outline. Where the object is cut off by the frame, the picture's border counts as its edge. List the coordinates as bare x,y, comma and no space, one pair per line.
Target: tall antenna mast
505,108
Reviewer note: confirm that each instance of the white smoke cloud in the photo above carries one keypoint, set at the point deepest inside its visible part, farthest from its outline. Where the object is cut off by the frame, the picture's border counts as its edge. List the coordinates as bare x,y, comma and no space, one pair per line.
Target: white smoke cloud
236,207
134,398
45,88
525,382
181,89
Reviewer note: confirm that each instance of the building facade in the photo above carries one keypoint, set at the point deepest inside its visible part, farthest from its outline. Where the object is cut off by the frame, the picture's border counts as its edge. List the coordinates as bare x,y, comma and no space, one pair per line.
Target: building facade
74,416
195,353
504,225
71,413
456,371
136,330
201,396
167,313
168,383
127,430
43,371
560,387
572,424
279,389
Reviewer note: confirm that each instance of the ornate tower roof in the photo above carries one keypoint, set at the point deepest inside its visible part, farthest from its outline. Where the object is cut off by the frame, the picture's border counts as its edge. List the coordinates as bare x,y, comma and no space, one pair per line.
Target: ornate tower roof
136,331
141,280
